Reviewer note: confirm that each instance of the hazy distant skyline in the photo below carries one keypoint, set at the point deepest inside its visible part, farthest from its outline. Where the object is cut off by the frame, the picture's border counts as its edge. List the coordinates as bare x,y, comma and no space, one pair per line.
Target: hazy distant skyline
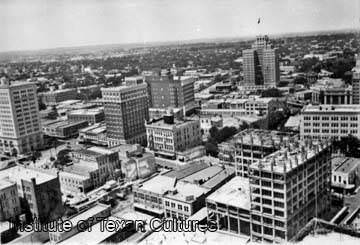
42,24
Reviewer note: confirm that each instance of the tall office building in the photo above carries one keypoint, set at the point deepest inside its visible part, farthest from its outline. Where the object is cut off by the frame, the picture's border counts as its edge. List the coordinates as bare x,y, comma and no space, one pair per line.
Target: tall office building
356,81
168,91
126,111
261,63
20,130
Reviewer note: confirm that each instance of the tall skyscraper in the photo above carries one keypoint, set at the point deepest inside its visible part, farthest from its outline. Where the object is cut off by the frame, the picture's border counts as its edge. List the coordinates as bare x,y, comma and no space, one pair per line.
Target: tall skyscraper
20,130
261,63
356,81
126,110
168,91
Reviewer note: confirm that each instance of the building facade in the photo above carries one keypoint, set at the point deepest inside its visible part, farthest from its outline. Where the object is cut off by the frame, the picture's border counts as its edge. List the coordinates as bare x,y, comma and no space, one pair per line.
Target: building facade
56,96
126,111
330,121
261,63
92,116
38,191
20,130
172,135
9,200
168,91
229,206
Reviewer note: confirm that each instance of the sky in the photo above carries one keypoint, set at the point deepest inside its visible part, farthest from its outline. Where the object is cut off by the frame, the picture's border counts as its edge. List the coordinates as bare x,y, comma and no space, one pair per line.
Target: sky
42,24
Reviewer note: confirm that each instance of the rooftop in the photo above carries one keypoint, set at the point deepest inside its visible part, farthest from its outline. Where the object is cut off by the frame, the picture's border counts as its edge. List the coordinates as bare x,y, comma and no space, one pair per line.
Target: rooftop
95,129
92,111
347,165
82,167
187,170
19,173
100,150
159,184
61,123
6,183
204,174
161,123
95,236
332,108
186,192
219,178
235,193
88,213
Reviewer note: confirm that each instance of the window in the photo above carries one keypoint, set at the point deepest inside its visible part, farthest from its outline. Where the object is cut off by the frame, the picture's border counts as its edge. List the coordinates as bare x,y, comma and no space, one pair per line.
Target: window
186,209
179,207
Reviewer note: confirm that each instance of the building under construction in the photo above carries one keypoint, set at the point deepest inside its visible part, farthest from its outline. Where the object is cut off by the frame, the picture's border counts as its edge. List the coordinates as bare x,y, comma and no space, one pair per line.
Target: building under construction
288,188
251,145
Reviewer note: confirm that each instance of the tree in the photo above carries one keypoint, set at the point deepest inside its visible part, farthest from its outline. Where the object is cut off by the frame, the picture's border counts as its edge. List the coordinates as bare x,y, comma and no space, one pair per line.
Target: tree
42,106
62,158
211,148
53,114
349,146
217,136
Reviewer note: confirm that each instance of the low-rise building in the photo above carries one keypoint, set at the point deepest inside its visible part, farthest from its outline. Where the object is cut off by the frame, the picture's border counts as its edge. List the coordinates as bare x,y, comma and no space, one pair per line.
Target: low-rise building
9,200
345,174
95,134
330,121
88,218
229,206
92,116
207,122
39,192
63,128
170,135
139,165
187,187
56,96
134,80
91,168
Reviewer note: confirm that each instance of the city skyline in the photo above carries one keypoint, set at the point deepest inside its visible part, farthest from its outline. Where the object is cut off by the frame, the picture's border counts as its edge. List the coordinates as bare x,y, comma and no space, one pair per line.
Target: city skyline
46,25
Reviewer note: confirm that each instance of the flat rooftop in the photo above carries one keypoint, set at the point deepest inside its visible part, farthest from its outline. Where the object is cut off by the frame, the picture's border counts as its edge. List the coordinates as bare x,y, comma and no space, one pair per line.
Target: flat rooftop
94,129
219,178
19,173
204,174
161,123
187,170
95,236
187,192
59,124
88,213
82,167
159,184
100,150
6,183
331,108
348,165
235,193
89,112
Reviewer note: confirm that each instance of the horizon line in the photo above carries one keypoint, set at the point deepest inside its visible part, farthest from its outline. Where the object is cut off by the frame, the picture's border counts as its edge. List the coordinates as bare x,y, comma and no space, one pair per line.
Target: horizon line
182,41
